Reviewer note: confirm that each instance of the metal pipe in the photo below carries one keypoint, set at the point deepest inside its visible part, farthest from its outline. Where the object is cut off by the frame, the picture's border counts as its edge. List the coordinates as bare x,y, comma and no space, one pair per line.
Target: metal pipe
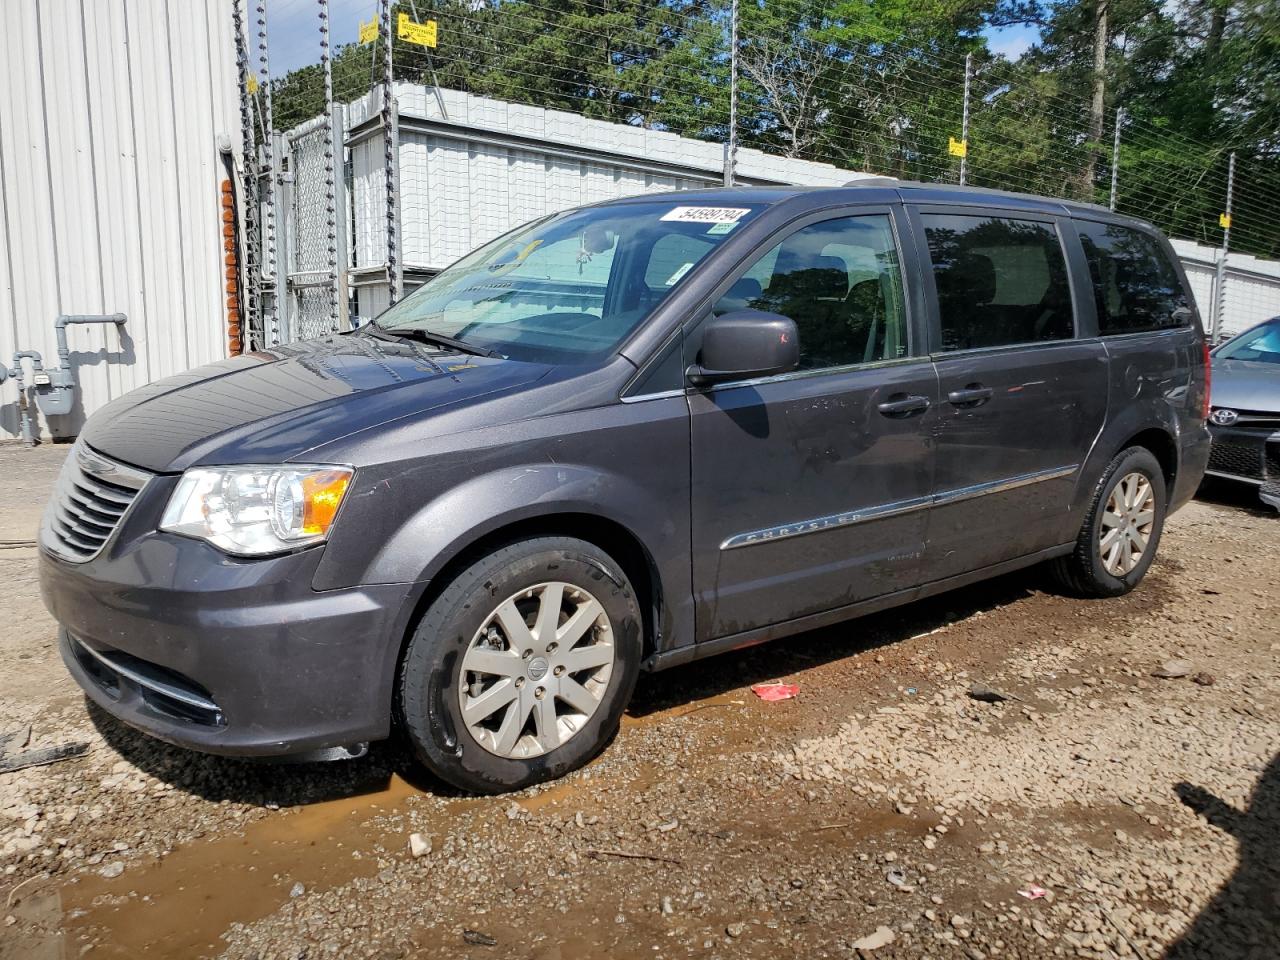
24,403
33,355
60,328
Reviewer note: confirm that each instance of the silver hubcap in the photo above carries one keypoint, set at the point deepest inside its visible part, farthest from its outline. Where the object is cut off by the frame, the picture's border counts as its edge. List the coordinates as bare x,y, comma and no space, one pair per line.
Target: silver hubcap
1126,524
536,671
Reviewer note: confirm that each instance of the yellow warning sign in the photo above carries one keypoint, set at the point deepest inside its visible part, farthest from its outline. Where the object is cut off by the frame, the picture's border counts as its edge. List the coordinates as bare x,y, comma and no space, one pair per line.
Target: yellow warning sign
423,34
369,31
252,84
957,148
1224,221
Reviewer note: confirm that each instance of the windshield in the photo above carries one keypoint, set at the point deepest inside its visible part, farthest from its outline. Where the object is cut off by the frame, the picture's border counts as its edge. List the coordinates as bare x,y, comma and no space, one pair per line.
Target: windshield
571,287
1261,344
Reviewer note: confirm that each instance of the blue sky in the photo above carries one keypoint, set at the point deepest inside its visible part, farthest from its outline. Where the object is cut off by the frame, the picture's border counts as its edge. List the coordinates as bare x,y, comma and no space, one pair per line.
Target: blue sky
1011,41
293,31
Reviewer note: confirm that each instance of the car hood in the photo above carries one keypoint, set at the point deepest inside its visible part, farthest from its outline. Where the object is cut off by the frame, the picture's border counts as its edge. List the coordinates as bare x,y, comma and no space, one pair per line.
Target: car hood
275,405
1246,385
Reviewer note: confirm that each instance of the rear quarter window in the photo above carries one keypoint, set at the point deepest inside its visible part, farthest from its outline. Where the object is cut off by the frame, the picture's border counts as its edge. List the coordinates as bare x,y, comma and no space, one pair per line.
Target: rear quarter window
1135,286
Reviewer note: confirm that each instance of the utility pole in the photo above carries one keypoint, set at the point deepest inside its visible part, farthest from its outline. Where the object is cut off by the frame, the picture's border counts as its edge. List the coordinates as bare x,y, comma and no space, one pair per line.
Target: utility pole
1115,157
731,146
964,119
1220,281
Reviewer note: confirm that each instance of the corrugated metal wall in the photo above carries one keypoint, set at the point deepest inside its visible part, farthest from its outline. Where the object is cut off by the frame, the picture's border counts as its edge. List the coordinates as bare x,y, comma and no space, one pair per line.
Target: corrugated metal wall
490,166
1252,286
110,113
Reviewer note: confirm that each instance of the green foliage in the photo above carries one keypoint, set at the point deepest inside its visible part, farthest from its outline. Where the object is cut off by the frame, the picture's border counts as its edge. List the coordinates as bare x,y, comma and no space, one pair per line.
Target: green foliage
877,85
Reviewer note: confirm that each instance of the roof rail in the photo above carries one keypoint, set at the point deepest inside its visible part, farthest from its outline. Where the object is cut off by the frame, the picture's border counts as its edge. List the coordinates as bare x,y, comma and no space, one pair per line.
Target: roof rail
872,181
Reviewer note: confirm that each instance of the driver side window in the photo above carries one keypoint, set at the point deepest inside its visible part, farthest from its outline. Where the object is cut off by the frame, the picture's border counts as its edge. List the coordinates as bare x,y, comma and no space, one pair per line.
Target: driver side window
841,282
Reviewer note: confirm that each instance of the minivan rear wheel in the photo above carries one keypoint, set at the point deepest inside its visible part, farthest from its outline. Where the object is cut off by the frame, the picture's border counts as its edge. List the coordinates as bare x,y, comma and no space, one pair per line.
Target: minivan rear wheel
519,670
1121,531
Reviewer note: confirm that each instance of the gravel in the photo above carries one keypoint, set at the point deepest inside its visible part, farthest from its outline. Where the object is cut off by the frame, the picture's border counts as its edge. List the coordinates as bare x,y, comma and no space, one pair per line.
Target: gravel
885,810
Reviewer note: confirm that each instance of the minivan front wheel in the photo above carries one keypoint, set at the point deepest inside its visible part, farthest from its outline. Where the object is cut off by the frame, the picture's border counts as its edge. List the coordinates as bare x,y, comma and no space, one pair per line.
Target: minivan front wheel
520,669
1121,531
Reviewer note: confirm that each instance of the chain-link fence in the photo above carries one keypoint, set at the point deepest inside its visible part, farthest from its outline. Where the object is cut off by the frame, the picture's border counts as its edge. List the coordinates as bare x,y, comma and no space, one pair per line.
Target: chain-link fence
311,195
433,126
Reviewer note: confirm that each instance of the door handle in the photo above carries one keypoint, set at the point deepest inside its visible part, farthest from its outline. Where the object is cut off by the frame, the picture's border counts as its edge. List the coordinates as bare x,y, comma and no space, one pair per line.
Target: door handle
903,406
973,395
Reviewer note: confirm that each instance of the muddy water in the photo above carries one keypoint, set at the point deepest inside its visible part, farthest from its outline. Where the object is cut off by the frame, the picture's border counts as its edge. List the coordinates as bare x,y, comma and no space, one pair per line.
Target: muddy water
180,905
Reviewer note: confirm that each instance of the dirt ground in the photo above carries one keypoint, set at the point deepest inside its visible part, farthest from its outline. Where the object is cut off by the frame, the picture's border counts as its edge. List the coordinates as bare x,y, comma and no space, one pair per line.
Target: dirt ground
884,802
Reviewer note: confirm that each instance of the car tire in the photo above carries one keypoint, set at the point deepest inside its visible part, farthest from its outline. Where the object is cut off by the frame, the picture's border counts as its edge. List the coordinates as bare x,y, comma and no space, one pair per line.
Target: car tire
1106,561
482,641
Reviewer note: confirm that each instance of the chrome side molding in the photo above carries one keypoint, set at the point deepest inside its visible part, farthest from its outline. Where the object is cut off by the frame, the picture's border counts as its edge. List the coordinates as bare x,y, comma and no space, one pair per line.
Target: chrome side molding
867,514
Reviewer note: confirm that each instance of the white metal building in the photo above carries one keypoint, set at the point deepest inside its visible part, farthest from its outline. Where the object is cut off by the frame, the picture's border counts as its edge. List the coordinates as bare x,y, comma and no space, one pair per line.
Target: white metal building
471,168
1252,284
110,117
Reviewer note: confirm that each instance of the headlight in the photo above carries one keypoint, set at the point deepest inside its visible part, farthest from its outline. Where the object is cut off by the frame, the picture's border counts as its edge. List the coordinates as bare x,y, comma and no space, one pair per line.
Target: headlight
256,510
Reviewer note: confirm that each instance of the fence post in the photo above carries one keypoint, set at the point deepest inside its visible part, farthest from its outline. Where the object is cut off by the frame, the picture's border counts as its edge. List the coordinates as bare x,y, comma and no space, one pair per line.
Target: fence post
331,190
250,309
731,146
1115,158
290,318
964,119
390,135
342,250
271,301
1220,281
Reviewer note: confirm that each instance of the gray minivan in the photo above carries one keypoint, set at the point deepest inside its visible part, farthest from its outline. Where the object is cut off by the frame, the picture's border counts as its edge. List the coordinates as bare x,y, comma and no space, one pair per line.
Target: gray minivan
622,438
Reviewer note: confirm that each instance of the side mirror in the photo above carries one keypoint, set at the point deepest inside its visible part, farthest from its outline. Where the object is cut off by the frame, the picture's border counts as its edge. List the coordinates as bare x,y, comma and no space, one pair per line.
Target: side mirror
745,344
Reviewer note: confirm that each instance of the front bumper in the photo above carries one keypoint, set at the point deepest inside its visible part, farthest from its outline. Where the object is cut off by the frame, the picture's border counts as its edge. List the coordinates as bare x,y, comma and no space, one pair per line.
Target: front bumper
225,656
1249,454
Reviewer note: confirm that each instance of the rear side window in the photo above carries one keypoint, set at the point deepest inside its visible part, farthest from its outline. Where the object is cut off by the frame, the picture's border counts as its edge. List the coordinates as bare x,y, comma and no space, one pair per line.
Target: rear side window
1000,281
1135,286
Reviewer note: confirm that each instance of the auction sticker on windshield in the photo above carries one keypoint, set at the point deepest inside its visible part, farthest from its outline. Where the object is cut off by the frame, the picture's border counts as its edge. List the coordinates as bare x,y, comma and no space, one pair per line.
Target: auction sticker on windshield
706,214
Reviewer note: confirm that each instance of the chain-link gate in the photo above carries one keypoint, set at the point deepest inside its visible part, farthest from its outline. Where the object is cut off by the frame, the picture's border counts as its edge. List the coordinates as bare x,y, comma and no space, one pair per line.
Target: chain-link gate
314,303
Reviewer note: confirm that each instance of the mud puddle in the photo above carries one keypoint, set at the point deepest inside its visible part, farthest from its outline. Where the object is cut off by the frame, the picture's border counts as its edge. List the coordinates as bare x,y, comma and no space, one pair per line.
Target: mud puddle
180,905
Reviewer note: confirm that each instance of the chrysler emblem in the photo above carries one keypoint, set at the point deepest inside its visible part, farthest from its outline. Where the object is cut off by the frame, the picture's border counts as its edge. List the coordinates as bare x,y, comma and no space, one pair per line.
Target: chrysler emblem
1224,417
537,668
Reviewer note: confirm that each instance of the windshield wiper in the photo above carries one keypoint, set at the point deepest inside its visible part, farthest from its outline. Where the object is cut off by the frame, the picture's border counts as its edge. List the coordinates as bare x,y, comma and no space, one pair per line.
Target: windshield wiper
437,339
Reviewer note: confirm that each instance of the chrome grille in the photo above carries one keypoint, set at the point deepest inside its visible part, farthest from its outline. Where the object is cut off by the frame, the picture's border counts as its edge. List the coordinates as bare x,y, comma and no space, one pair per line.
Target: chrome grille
92,495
